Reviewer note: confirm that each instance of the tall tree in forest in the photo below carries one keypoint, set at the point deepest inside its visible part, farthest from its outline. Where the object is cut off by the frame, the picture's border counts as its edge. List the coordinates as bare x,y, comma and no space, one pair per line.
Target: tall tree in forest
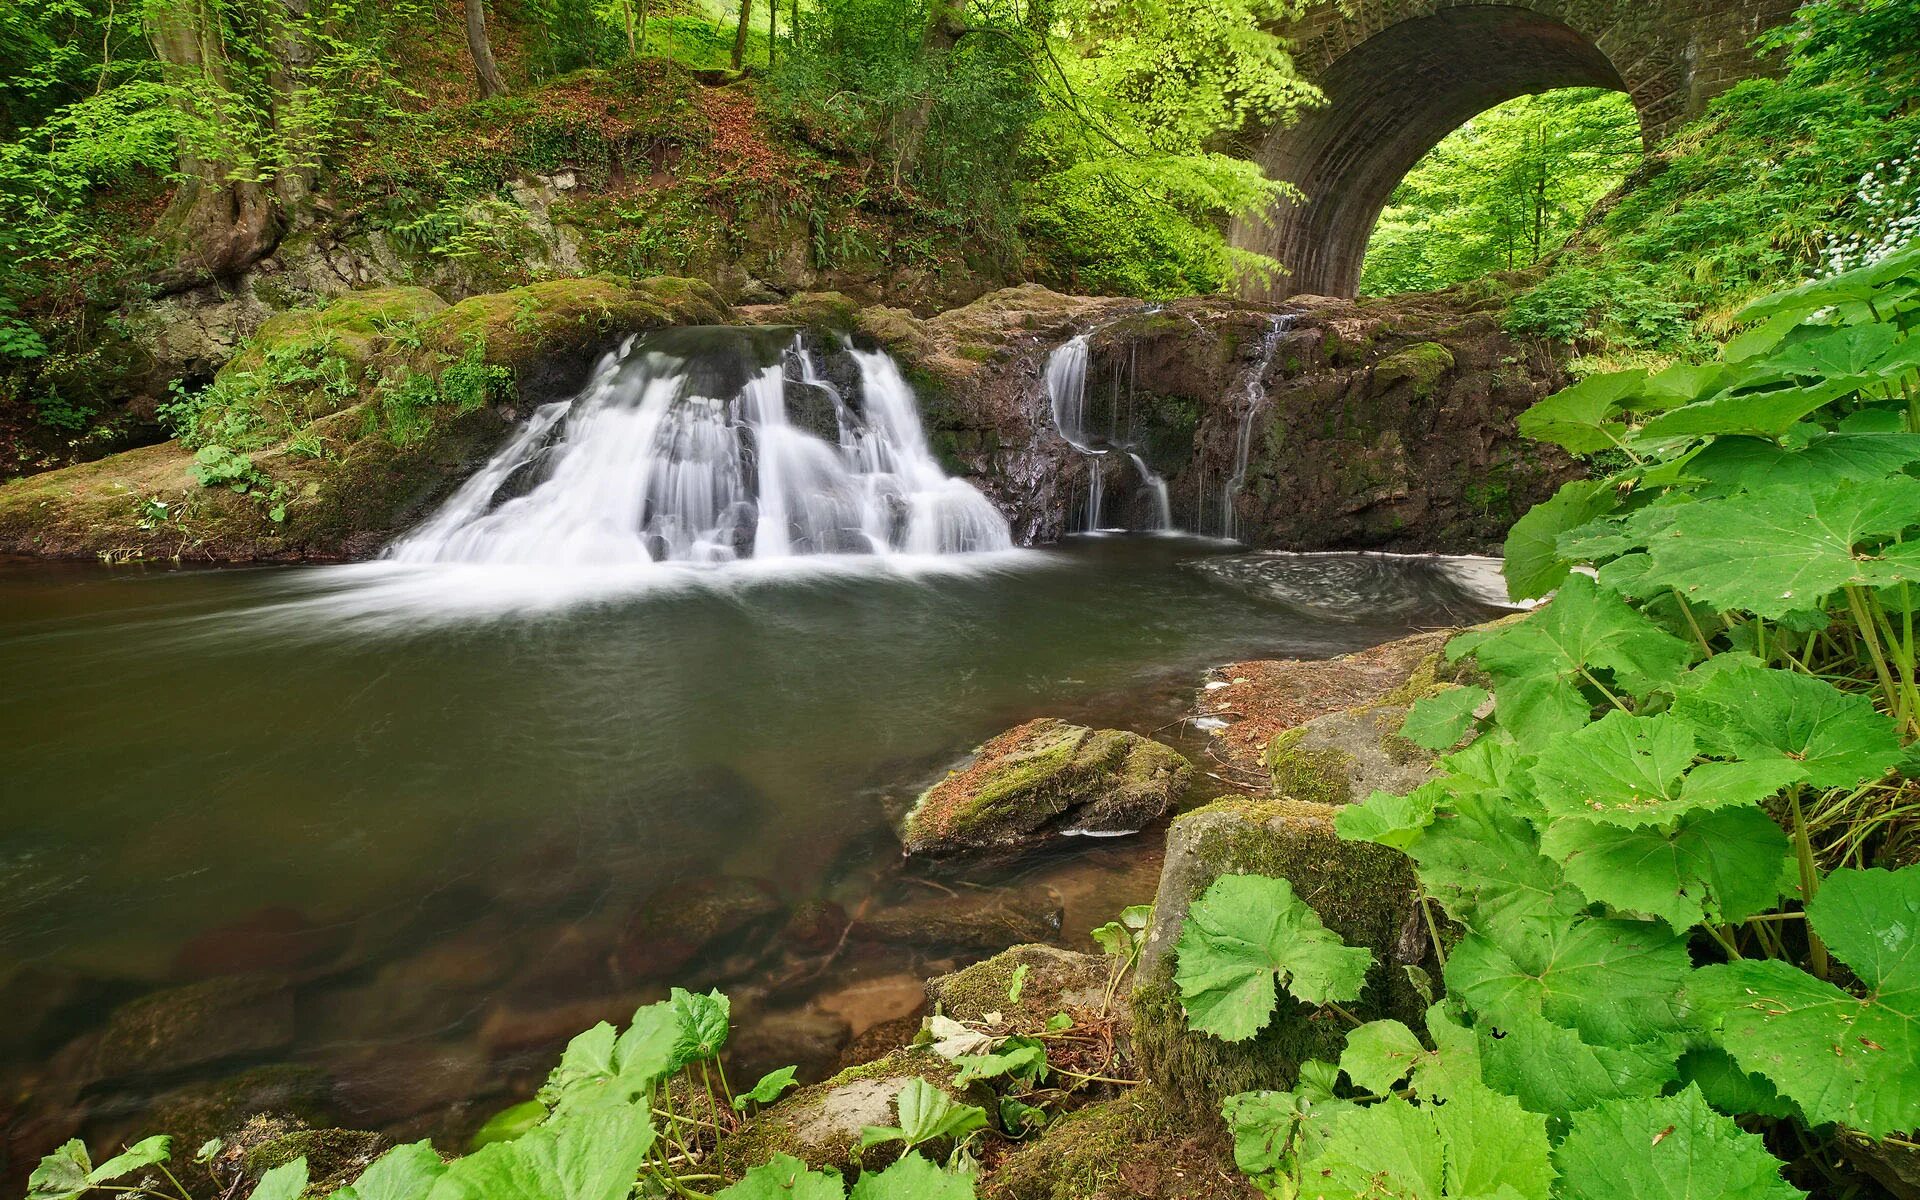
740,33
485,72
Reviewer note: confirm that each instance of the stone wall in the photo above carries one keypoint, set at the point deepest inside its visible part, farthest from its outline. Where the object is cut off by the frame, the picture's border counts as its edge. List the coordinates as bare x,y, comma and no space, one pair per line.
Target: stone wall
1399,75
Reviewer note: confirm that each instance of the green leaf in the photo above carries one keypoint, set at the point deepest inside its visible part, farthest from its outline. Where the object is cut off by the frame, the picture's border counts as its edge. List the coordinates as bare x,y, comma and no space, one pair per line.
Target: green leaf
1019,1057
1728,1088
1018,1118
767,1090
1635,771
1787,548
1244,935
1744,710
1537,663
1440,721
284,1182
1390,820
1724,866
1534,564
1838,1056
1734,464
1271,1128
1477,1144
591,1154
62,1175
702,1021
402,1173
508,1124
1767,414
785,1177
646,1049
1380,1054
1670,1148
143,1153
1583,418
1550,1070
1484,864
913,1178
925,1113
1615,982
1017,984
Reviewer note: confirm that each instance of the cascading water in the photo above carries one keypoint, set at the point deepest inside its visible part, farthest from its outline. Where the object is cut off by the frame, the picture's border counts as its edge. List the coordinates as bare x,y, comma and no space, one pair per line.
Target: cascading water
1254,398
684,448
1066,378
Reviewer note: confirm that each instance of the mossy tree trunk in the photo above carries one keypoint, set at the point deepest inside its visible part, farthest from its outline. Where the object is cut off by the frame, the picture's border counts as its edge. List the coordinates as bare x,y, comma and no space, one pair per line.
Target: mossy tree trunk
485,72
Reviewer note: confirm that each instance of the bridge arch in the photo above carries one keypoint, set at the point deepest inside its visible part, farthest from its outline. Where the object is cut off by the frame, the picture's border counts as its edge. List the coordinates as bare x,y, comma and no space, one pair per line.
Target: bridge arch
1399,75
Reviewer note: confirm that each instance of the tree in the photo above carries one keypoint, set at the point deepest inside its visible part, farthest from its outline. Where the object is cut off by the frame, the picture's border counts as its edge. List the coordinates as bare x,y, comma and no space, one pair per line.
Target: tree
740,33
485,72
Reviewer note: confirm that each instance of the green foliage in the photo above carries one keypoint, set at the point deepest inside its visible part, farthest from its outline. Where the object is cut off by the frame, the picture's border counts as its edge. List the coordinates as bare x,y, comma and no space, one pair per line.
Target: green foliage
1244,936
766,1090
1503,190
926,1113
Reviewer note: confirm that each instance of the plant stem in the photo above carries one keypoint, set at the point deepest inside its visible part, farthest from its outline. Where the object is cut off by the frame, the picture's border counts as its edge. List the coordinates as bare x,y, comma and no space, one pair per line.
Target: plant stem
1809,880
1433,927
1864,619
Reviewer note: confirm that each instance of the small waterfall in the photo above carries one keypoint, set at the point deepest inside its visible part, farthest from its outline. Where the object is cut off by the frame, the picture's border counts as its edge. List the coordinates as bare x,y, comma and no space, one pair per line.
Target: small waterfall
1066,379
685,447
1157,488
1253,399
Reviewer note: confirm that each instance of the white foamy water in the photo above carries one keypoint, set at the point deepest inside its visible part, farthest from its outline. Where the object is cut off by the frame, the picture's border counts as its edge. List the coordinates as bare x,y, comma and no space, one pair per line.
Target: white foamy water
644,466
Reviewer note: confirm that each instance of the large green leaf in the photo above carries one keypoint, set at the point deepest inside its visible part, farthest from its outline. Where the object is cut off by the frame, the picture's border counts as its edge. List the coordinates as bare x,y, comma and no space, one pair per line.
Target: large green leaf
402,1173
1634,771
144,1153
913,1178
1441,720
1739,708
1534,564
1550,1070
1671,1148
1785,549
1838,1056
703,1024
1380,1054
1537,663
1270,1129
785,1177
1585,417
1248,933
1615,982
1724,866
925,1113
1477,1144
1484,864
1760,414
62,1175
1390,820
287,1181
1734,464
1860,284
593,1154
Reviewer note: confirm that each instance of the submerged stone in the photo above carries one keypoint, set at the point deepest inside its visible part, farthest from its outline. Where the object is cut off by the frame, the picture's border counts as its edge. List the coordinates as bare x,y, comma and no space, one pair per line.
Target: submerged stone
679,924
984,921
1363,892
1044,779
190,1026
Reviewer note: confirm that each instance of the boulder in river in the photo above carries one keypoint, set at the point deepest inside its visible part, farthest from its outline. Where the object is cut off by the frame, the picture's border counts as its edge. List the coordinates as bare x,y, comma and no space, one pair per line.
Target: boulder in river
1043,779
1055,981
1345,757
1363,892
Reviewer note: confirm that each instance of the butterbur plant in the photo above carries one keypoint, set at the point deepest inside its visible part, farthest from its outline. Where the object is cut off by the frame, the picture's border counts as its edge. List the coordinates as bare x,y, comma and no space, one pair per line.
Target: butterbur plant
1676,832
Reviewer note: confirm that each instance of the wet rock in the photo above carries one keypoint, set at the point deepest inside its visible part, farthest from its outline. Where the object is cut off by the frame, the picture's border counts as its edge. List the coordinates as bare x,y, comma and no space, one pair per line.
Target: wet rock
686,921
814,926
1042,779
1422,365
1143,1145
1896,1168
194,1025
505,1029
820,1124
1056,981
1363,892
1345,757
881,1040
808,1039
982,920
276,940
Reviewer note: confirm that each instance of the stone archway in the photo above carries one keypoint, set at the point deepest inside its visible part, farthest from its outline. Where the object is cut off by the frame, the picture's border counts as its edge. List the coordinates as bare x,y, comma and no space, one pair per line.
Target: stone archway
1400,75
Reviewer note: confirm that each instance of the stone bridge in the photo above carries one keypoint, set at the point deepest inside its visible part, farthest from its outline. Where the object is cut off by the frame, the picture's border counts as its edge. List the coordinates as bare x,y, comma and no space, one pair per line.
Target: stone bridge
1399,75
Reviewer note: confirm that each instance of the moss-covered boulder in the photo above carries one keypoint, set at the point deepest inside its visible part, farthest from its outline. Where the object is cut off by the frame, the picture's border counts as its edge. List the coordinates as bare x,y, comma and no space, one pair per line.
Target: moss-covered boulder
1345,757
335,1157
1044,779
1363,892
1143,1144
821,1124
1055,981
1422,365
334,428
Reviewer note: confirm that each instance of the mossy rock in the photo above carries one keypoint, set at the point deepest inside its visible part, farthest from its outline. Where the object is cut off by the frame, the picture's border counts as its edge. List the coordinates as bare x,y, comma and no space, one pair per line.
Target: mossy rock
1422,364
1042,779
1362,892
1056,981
515,328
335,1157
1344,757
1145,1143
353,326
295,1096
820,1124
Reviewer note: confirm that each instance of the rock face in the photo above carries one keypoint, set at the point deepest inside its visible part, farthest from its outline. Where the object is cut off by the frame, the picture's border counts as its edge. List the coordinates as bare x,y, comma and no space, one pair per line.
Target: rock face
1363,892
1043,779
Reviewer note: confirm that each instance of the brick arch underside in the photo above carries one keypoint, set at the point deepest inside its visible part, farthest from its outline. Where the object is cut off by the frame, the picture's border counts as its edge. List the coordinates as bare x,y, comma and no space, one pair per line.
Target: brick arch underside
1392,98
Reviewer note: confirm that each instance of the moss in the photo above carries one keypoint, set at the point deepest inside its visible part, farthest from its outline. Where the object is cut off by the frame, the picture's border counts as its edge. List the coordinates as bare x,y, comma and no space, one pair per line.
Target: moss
1142,1143
1424,681
1422,364
520,324
1362,892
1318,774
1056,980
335,1157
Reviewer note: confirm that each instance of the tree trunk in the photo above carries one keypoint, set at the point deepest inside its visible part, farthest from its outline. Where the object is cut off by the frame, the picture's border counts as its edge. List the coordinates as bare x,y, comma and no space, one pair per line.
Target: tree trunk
484,70
944,30
740,33
773,21
626,13
218,224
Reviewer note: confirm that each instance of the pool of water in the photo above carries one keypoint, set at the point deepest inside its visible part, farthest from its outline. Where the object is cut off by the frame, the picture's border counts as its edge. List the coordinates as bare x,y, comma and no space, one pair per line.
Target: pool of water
324,778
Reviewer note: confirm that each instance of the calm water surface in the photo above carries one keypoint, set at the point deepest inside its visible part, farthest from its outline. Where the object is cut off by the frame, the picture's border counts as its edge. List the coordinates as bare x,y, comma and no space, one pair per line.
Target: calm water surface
202,768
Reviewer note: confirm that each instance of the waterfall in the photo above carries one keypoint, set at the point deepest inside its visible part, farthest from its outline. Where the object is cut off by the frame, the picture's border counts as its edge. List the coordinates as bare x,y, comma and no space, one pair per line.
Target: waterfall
689,447
1066,379
1254,398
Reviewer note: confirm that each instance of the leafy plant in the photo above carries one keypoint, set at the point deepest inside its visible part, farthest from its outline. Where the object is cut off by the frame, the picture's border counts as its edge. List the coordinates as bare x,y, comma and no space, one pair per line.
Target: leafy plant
926,1113
1244,936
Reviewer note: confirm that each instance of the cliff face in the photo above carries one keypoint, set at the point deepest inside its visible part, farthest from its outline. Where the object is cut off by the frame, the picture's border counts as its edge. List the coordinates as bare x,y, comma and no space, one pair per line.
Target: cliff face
1322,424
